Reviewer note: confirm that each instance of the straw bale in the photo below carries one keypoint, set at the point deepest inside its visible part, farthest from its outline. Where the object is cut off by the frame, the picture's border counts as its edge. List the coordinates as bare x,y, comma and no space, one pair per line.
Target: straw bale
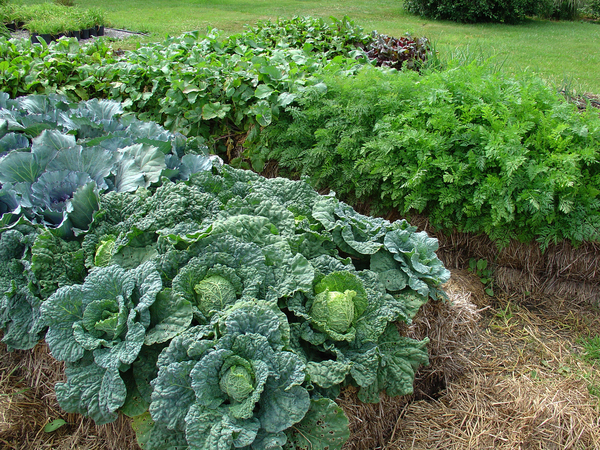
513,280
562,271
450,326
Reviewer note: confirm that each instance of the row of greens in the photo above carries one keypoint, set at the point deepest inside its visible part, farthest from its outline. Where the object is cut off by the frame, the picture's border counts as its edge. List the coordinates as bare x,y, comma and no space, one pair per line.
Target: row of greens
199,85
218,308
50,18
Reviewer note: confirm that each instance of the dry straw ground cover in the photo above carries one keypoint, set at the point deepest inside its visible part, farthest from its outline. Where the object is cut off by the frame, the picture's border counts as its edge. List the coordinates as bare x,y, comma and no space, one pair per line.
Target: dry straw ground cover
505,373
527,388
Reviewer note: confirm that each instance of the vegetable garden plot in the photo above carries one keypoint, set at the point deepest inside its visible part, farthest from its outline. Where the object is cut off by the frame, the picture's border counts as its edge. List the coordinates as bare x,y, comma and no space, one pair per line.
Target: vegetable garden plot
209,303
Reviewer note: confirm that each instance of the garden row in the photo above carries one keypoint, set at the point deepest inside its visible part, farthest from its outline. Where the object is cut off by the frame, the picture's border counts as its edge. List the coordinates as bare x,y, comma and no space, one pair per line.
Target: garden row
470,148
52,21
216,307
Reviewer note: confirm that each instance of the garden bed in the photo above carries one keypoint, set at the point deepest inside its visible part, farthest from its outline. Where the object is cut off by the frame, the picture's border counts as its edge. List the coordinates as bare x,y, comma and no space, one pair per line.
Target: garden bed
502,375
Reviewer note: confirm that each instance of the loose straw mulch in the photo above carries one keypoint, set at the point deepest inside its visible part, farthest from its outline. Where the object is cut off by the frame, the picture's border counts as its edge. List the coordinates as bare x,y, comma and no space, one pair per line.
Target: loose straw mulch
527,389
494,412
28,404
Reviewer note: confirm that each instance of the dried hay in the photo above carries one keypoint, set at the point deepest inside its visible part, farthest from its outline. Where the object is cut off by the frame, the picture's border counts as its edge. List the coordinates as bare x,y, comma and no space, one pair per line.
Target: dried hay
527,389
450,326
28,404
495,412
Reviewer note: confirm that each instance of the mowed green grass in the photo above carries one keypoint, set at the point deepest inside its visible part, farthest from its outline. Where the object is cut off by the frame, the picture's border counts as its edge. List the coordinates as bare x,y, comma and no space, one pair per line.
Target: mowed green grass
566,54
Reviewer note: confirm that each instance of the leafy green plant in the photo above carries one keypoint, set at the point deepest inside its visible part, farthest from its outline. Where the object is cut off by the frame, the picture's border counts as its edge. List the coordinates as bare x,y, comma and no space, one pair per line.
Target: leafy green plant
509,11
480,268
471,149
559,9
591,8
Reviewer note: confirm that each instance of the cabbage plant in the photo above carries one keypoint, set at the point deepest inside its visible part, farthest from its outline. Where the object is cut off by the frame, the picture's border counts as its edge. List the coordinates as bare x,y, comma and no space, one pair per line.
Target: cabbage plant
100,327
231,385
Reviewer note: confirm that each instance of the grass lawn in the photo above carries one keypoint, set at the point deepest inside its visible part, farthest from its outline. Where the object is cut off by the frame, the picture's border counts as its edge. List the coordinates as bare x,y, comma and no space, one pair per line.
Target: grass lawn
564,53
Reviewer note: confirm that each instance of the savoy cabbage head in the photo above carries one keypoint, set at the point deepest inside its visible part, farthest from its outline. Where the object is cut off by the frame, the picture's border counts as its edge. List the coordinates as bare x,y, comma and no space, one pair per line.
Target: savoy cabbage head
99,328
234,385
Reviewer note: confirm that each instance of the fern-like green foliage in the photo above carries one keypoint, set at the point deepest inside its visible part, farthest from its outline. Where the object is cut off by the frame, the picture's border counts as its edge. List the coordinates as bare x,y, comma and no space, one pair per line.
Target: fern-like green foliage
472,150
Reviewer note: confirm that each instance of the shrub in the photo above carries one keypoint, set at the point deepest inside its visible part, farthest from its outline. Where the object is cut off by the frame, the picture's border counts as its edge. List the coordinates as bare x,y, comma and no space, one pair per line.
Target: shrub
592,8
558,9
508,11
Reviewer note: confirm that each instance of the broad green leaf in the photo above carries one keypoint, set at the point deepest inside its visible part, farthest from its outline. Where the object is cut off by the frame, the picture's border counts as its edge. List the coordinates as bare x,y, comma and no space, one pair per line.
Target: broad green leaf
325,427
263,91
389,271
95,161
85,202
19,167
153,436
212,110
171,314
54,425
140,166
213,428
13,141
327,373
285,98
92,391
173,394
264,115
400,357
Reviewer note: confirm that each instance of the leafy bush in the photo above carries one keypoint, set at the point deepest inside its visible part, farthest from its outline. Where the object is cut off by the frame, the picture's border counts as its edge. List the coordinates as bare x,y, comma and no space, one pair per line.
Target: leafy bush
558,9
473,151
509,11
204,303
592,8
